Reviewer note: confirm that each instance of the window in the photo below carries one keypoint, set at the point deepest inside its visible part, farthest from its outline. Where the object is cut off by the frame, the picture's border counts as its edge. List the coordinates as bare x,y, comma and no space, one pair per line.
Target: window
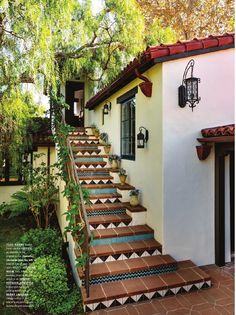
128,129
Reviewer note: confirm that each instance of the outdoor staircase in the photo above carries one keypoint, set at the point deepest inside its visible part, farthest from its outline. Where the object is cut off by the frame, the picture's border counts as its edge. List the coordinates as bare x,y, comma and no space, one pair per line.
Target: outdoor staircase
126,262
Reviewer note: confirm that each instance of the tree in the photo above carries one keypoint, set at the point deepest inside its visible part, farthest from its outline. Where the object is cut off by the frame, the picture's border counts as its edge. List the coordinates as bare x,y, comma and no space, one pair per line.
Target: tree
50,41
191,18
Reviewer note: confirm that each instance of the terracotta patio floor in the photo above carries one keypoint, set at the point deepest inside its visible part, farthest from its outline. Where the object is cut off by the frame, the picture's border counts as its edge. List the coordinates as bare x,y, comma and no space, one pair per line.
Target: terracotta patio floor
217,300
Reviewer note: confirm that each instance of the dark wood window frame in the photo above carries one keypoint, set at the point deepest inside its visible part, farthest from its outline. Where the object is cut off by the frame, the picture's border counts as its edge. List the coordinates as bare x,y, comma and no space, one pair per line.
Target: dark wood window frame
124,100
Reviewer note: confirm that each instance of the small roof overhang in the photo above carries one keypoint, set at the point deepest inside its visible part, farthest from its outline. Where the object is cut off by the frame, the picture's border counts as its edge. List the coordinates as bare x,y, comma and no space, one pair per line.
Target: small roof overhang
220,134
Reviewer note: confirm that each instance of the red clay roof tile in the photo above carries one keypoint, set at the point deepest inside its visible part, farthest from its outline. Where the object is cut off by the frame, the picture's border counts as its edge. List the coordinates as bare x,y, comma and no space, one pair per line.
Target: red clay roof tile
152,52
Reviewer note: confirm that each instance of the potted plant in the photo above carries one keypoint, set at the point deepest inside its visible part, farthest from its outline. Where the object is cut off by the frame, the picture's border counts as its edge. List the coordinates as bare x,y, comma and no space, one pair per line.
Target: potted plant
103,138
107,147
96,132
123,176
114,161
93,127
134,197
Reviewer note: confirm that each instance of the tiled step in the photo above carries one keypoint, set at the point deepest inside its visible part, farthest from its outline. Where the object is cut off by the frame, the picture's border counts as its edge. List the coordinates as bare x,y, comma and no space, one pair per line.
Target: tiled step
105,198
105,208
126,250
122,234
86,171
102,179
114,208
88,159
90,164
90,151
98,186
88,156
109,221
186,279
86,142
131,268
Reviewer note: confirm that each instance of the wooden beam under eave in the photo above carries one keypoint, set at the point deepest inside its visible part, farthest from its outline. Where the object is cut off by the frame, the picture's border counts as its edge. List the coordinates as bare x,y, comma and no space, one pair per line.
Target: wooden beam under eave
220,139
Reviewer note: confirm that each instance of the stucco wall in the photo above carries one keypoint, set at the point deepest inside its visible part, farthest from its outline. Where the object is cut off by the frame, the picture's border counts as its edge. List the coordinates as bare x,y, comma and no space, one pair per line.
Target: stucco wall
188,182
145,173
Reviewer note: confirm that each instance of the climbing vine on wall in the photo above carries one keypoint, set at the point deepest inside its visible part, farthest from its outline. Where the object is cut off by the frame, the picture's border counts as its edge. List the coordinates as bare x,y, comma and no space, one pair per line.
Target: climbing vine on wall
74,218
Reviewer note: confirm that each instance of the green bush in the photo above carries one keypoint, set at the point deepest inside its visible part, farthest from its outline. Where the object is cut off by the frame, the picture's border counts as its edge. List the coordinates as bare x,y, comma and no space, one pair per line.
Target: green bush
18,205
44,285
44,242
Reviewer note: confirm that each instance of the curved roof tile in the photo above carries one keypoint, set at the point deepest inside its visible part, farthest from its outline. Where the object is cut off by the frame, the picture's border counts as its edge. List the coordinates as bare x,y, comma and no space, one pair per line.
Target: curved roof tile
146,60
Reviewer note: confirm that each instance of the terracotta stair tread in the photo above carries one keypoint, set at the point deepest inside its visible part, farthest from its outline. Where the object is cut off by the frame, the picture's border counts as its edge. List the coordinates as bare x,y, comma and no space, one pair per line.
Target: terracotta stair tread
130,265
101,177
104,196
98,186
122,231
124,187
87,156
117,205
119,248
101,219
98,169
131,287
89,144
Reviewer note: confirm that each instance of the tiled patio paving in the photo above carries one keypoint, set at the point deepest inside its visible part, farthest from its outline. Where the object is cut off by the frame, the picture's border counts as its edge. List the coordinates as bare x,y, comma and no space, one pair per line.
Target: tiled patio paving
217,300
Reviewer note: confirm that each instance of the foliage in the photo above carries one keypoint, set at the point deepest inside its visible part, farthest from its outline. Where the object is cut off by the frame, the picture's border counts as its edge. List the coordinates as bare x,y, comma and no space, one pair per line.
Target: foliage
190,18
44,284
114,157
134,192
18,206
16,110
44,242
58,39
72,190
104,136
40,191
122,171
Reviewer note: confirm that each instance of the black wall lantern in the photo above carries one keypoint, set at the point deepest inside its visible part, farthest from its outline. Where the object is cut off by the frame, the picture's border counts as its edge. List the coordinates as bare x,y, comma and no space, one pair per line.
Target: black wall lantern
188,91
142,138
106,109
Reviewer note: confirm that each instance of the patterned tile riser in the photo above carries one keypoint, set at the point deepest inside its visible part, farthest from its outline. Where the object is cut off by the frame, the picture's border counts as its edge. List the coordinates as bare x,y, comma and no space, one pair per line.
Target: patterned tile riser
104,200
124,256
106,212
146,296
103,226
133,275
98,181
113,240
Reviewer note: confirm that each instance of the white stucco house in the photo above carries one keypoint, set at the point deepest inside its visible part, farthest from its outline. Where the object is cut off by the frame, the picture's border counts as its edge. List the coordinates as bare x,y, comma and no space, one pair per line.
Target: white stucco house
182,190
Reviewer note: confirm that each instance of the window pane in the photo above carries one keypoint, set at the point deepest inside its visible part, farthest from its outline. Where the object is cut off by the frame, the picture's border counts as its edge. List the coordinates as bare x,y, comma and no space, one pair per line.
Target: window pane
128,128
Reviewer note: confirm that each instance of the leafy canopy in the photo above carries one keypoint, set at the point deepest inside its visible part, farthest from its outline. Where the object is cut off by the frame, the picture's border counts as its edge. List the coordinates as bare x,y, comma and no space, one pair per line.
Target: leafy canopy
191,18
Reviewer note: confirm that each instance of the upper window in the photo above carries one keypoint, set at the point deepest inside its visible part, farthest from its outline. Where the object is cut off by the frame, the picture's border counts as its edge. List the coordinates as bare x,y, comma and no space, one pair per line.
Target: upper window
128,129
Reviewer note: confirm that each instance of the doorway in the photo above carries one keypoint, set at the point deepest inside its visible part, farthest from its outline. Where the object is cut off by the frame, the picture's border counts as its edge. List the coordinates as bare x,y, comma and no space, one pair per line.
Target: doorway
74,115
224,203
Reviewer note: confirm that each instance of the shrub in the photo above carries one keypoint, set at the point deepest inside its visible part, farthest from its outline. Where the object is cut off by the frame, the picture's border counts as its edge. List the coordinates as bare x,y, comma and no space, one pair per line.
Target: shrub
18,205
44,242
44,285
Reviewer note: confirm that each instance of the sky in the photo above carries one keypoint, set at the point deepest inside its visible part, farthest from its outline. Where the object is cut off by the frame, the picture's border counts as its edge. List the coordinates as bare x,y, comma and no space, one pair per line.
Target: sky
97,5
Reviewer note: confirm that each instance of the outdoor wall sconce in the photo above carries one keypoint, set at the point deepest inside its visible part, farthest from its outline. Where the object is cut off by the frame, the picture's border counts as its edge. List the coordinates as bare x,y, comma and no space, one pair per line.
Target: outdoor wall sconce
188,91
106,110
142,138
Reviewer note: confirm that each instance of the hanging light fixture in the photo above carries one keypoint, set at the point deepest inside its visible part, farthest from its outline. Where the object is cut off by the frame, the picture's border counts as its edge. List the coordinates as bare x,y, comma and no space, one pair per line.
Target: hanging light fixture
142,138
188,91
106,110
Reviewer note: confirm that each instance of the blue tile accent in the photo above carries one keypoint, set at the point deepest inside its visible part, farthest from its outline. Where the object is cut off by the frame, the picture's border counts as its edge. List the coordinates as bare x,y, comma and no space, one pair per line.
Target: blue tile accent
99,173
102,191
106,241
88,159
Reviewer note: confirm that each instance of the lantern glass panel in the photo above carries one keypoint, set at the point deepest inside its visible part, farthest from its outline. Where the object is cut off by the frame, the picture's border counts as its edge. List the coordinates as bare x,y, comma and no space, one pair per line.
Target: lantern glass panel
192,89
